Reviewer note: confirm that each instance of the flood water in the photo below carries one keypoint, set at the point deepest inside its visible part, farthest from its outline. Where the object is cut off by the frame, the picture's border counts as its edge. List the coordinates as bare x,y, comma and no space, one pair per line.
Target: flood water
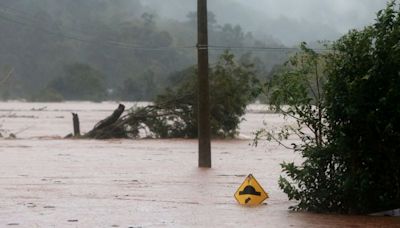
48,181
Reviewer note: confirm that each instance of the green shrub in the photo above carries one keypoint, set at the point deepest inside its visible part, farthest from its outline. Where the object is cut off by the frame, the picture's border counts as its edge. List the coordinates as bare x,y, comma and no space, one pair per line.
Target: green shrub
296,91
356,168
363,110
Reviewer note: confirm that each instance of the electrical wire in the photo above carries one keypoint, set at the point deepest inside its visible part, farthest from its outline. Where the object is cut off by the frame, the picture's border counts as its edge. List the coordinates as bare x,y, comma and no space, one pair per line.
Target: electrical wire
136,47
103,43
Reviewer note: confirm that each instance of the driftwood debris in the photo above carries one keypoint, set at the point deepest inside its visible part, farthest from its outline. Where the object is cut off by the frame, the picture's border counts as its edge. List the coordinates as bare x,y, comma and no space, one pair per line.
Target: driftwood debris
165,120
108,128
111,119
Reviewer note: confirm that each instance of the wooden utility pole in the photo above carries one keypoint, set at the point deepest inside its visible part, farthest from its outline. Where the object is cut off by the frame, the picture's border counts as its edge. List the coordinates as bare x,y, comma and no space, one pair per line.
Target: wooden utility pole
203,95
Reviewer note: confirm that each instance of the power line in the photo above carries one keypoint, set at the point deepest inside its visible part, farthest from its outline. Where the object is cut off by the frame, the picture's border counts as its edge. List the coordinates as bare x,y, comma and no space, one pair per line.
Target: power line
258,48
103,43
43,30
23,15
131,46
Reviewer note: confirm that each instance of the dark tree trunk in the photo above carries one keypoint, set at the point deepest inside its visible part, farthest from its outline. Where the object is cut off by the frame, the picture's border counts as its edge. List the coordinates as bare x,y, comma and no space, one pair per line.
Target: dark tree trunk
77,130
107,128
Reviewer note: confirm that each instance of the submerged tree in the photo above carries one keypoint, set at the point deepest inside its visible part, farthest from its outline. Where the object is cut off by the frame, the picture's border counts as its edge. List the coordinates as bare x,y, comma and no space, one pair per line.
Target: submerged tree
232,86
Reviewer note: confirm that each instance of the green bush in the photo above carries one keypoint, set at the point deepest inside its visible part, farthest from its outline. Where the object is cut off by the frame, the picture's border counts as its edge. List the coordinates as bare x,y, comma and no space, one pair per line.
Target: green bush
296,91
356,168
363,110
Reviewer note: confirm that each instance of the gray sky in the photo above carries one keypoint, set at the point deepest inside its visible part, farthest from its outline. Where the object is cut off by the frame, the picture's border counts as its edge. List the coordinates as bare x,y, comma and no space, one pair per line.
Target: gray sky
289,21
343,14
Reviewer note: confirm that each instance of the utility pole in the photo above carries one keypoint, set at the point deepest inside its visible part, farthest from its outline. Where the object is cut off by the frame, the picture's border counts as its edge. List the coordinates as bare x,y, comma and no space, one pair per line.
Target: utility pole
203,94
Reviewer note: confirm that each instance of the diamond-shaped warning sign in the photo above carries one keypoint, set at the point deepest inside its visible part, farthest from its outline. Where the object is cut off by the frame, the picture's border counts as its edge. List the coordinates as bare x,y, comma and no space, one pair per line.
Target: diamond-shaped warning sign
250,193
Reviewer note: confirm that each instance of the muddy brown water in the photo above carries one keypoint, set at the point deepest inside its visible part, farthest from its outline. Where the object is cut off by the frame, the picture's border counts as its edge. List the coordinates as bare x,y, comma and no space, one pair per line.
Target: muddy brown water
46,181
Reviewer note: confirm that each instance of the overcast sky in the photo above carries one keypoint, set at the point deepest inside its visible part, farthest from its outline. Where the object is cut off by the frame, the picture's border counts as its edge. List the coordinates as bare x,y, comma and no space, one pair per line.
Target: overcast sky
289,21
343,14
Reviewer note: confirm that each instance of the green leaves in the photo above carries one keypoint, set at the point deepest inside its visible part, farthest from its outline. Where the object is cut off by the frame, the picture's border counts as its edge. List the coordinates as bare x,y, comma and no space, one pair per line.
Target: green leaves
362,100
351,162
232,87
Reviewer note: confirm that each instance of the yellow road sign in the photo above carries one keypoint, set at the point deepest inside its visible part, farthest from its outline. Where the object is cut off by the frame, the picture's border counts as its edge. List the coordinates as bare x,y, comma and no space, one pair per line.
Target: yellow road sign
250,193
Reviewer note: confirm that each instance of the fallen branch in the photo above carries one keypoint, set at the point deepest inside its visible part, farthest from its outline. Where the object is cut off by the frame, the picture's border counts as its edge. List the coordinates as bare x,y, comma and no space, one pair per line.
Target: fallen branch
108,128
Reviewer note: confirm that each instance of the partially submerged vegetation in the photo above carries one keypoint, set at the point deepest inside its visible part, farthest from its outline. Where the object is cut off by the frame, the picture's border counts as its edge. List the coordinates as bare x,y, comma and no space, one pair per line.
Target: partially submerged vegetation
345,101
233,85
349,101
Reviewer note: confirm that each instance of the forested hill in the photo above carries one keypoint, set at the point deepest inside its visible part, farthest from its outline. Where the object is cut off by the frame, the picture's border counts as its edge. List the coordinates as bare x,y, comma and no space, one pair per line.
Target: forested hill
265,18
58,49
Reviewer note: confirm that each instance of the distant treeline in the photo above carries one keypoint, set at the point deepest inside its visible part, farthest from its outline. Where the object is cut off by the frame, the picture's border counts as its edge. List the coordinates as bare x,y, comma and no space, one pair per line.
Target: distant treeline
99,49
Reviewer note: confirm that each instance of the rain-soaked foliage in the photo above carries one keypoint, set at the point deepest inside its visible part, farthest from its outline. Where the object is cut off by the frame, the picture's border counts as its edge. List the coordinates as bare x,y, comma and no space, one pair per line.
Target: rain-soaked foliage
353,166
233,85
